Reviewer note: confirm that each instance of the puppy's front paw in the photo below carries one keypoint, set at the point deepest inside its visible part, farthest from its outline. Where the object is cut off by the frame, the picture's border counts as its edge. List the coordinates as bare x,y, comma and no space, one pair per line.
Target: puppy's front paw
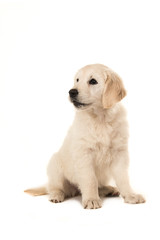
92,203
134,198
56,196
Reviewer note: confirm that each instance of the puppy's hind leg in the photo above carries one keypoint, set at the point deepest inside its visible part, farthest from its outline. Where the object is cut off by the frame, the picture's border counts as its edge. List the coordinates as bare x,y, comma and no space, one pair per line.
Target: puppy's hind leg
55,186
108,191
70,189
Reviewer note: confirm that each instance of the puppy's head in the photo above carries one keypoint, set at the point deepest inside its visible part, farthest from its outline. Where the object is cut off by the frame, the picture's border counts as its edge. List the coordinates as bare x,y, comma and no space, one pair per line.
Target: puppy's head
96,86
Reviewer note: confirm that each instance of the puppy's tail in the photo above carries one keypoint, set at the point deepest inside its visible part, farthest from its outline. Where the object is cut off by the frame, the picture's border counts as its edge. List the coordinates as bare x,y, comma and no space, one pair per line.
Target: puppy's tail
37,191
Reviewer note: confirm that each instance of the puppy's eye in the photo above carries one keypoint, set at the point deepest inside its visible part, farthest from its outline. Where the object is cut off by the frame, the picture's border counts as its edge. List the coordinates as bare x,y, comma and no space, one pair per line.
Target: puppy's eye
93,81
77,79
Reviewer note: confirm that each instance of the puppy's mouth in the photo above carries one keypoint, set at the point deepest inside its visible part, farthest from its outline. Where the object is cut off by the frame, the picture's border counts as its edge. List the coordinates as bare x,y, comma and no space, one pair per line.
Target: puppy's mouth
78,104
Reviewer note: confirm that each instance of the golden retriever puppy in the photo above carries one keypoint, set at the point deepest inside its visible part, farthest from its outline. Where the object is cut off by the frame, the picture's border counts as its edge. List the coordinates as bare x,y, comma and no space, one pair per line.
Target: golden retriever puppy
96,146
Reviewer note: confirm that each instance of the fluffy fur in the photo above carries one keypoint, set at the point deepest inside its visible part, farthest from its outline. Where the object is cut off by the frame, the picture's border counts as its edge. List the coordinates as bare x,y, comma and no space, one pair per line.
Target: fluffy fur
96,146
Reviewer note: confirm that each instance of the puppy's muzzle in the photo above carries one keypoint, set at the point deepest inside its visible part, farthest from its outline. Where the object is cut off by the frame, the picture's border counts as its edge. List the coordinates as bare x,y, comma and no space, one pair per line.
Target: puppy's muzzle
73,93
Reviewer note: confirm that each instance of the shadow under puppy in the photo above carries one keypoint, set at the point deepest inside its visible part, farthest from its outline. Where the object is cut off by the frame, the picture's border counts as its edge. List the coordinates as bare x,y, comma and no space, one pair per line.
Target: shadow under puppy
96,146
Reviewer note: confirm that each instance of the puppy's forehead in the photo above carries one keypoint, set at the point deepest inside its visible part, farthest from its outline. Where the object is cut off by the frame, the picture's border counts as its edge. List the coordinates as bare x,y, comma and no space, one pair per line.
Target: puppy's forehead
93,70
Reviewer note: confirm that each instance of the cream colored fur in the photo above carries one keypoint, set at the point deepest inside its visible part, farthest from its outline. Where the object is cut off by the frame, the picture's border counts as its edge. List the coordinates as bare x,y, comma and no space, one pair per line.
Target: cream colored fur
96,146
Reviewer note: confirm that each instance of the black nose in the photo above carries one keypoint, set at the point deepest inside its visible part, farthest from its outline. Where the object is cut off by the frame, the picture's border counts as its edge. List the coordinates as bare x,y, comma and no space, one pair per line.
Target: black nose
73,93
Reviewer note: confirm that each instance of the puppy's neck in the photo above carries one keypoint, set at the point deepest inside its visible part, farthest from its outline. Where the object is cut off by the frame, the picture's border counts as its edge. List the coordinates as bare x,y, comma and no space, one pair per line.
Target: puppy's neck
101,114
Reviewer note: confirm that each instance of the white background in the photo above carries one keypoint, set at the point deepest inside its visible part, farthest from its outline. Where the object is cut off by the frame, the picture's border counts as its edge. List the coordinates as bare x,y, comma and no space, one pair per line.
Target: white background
42,45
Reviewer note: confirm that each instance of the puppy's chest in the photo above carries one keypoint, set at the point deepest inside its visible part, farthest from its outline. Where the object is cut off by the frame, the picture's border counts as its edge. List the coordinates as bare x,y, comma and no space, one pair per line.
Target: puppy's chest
101,134
100,141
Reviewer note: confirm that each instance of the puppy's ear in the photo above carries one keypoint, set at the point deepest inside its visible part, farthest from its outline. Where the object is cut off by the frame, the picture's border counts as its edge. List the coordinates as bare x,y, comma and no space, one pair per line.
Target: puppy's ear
113,91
